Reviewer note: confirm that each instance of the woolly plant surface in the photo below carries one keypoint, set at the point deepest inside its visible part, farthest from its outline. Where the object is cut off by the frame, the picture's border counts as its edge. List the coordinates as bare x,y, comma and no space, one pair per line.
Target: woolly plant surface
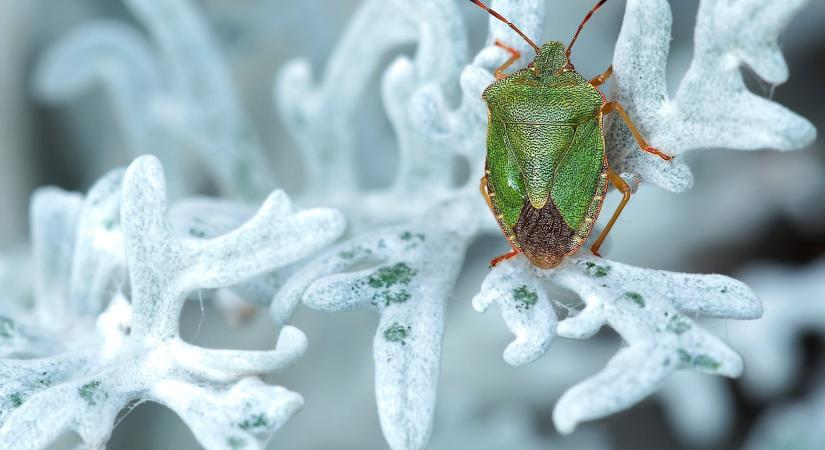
133,350
653,311
408,241
169,89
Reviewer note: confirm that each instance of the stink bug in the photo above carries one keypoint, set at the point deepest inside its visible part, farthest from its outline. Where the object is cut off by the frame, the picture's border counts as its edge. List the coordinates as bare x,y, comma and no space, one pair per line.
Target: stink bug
546,171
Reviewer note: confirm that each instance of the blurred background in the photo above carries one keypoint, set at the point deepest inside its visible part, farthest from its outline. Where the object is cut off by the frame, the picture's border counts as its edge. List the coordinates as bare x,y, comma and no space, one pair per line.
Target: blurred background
758,216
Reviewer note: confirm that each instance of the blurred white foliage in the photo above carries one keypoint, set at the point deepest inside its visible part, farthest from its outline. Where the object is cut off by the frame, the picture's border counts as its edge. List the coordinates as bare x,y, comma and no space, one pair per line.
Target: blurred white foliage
794,304
172,96
132,352
794,301
712,107
796,426
77,263
700,409
15,21
506,427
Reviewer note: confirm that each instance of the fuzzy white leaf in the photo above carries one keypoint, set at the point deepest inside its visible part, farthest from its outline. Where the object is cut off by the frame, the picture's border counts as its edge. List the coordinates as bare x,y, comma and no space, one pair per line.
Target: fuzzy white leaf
173,90
319,118
648,309
794,305
712,107
141,355
411,271
793,426
527,311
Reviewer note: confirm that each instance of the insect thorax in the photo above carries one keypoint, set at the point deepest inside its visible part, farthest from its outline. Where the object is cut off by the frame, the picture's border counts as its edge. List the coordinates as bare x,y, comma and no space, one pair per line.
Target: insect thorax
546,90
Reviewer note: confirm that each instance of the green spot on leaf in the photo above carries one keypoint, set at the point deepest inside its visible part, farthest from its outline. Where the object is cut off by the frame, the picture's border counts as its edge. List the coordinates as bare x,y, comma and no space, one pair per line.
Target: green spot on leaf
636,298
386,277
236,443
396,333
678,324
699,361
391,282
390,298
44,379
354,252
705,362
91,393
525,298
596,270
412,239
6,328
16,399
408,236
255,421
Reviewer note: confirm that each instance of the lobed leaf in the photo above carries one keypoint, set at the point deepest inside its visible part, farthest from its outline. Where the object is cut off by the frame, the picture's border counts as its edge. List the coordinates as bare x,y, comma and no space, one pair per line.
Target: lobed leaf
135,353
712,107
644,307
409,272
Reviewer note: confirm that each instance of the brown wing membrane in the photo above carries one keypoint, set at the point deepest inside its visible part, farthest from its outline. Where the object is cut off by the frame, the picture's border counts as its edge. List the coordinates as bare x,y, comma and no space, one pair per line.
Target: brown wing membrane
543,235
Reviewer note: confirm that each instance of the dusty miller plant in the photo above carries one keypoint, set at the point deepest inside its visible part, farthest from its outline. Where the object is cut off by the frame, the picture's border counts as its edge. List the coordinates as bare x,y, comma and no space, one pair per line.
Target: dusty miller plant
409,282
170,91
407,242
123,349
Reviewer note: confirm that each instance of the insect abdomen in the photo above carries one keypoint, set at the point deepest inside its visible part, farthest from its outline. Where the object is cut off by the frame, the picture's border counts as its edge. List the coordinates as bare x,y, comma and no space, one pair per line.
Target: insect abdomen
543,235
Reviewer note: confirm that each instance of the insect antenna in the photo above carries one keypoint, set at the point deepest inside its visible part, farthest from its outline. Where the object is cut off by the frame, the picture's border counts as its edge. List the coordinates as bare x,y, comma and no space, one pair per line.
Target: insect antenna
581,25
501,18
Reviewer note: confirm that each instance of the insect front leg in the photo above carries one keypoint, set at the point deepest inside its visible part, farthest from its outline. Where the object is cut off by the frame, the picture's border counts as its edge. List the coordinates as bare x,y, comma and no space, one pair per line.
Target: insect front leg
599,80
617,107
514,56
622,186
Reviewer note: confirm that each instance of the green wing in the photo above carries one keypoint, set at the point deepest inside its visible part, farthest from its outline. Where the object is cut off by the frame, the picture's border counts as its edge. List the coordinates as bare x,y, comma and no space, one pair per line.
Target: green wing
503,176
537,150
579,174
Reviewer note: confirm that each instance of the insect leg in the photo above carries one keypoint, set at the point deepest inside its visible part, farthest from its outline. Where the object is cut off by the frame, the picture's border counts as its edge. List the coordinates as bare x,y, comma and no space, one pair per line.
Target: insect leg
625,190
599,80
514,56
615,106
512,253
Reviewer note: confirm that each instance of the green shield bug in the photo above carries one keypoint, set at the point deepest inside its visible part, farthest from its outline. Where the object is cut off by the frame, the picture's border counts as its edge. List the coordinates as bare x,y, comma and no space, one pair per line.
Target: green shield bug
546,172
